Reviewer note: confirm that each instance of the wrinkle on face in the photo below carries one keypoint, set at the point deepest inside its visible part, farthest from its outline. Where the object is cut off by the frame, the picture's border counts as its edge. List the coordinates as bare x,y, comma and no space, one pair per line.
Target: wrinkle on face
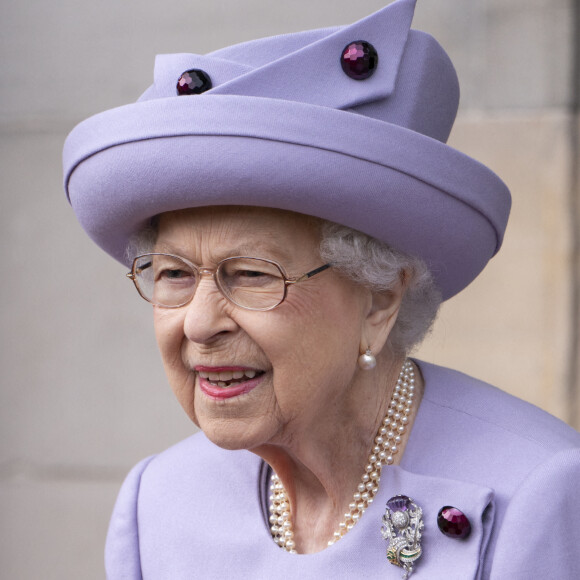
240,234
308,346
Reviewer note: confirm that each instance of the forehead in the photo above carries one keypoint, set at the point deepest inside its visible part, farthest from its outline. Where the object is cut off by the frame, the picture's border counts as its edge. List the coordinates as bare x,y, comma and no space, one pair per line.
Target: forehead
217,232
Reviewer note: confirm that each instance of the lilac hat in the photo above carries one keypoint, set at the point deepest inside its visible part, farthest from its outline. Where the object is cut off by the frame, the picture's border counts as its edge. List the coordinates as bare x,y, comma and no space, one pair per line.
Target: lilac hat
280,123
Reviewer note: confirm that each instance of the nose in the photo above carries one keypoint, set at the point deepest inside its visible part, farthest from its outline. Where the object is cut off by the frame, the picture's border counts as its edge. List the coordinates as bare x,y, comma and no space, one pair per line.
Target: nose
207,315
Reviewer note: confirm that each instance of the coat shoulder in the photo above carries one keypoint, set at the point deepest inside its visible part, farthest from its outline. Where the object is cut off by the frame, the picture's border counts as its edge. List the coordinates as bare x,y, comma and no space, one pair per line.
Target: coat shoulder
485,407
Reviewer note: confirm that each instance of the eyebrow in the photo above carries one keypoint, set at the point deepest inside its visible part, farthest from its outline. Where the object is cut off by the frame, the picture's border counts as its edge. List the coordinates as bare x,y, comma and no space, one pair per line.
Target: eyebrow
255,250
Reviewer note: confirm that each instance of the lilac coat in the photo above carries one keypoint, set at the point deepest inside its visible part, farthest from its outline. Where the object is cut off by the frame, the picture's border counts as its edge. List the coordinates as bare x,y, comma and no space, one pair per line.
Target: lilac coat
198,511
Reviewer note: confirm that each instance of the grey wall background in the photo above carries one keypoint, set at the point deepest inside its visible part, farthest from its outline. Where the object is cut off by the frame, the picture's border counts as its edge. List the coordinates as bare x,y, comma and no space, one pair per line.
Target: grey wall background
83,396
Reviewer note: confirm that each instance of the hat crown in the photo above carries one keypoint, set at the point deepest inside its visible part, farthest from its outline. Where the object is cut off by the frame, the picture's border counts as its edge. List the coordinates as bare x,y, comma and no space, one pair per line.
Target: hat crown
415,85
285,127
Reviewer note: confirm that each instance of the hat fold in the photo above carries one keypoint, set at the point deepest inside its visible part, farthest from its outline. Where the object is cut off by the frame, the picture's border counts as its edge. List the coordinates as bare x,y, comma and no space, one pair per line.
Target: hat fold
310,74
169,67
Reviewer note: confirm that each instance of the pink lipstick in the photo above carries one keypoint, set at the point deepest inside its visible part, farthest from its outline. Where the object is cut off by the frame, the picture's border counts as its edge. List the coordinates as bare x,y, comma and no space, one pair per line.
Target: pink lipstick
227,382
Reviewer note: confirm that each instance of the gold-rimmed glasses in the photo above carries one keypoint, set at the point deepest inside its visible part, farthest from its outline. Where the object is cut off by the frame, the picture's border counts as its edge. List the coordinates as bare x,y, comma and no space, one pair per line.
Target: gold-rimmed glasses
171,281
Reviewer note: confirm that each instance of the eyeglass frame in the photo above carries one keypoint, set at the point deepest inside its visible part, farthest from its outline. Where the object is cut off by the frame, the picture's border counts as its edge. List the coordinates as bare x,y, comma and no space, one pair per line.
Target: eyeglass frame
202,270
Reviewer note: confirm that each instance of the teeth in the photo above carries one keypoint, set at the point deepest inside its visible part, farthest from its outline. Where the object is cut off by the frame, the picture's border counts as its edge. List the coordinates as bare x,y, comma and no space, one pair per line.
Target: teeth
224,376
222,379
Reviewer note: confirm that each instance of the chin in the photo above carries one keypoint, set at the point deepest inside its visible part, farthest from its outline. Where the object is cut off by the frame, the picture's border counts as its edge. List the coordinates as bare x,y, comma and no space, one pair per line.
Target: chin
232,435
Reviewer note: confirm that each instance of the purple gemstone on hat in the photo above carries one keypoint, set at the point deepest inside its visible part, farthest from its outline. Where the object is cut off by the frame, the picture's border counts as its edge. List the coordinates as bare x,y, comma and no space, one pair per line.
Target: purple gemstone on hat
193,82
453,523
399,503
359,60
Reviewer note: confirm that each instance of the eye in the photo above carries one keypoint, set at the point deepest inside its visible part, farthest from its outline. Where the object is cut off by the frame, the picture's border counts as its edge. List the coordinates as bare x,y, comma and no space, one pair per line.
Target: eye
175,277
173,274
170,269
250,274
251,278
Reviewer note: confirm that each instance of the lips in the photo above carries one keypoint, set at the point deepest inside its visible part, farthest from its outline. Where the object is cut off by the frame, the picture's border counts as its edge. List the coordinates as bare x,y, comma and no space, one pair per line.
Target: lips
227,382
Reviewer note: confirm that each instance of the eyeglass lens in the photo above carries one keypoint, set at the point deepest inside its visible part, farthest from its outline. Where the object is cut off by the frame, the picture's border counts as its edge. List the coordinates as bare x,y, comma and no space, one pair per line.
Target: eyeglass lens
248,282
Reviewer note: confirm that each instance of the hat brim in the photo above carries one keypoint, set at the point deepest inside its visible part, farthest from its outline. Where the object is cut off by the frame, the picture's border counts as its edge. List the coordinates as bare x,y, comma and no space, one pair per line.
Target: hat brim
413,192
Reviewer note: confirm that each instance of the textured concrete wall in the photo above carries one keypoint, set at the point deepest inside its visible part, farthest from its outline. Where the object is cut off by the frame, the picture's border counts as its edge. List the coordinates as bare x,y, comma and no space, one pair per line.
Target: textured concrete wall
83,396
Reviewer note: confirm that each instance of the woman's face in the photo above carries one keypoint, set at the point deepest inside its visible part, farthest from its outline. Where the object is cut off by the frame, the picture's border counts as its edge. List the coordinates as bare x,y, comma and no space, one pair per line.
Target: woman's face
249,378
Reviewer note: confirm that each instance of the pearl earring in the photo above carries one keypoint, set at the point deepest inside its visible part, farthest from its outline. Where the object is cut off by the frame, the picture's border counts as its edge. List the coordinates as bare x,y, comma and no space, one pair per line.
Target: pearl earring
367,361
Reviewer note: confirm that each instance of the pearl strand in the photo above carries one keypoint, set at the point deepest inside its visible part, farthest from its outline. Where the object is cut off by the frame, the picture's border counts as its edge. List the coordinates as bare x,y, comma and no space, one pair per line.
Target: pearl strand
386,446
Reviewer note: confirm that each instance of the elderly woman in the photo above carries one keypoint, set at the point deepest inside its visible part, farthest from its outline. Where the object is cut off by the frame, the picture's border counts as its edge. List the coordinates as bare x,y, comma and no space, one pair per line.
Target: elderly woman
292,212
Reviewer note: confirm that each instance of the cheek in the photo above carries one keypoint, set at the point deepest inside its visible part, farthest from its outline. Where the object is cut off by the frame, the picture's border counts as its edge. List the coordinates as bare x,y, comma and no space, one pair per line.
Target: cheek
314,341
168,326
327,315
169,334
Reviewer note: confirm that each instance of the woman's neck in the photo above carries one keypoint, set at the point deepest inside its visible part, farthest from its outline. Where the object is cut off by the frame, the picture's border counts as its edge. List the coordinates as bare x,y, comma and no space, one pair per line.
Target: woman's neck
321,467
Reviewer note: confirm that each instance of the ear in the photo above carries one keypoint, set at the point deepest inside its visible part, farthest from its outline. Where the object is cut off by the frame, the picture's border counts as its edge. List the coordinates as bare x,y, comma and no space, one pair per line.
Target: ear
382,315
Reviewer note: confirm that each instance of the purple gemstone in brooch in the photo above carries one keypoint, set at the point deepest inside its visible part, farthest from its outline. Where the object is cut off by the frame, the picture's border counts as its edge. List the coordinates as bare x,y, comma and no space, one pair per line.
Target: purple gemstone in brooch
359,60
399,503
402,529
193,82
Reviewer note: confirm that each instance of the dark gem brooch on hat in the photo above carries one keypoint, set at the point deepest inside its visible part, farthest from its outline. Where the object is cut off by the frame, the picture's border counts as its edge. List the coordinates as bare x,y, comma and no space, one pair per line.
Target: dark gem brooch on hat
193,82
359,60
402,529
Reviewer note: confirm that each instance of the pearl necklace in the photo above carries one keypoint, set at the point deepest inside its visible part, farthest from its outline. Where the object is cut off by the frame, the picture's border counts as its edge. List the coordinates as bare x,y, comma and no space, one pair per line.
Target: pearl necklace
386,445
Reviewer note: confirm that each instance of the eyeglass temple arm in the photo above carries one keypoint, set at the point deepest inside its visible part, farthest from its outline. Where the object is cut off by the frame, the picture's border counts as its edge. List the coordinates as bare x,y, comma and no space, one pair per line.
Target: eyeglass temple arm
131,275
309,274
